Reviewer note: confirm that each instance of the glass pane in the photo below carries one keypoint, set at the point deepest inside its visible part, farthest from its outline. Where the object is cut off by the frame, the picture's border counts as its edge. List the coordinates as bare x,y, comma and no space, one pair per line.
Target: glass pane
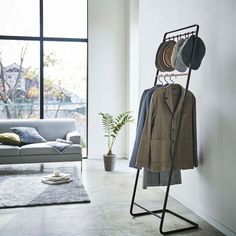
19,17
65,18
19,80
65,85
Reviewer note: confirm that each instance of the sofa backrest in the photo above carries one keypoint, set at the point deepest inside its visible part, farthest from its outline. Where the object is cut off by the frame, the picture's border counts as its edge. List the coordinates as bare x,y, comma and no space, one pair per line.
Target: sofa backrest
50,129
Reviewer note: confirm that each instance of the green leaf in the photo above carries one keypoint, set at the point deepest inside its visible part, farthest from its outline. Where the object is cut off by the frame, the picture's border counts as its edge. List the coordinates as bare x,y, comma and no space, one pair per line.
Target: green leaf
112,125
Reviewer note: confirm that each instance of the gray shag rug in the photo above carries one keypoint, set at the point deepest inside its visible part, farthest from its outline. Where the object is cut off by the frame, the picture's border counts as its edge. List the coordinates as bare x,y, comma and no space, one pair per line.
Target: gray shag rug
23,188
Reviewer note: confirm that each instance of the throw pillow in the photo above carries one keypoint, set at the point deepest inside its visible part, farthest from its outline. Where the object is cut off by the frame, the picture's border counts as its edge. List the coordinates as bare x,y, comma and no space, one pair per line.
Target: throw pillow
10,139
28,135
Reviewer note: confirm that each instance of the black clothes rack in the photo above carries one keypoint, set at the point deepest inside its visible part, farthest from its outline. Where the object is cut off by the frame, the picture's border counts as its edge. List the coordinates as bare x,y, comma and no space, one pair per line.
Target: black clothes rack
182,32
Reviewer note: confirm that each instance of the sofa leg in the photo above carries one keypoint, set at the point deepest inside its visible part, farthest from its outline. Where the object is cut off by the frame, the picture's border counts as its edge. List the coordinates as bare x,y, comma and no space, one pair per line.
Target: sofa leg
41,167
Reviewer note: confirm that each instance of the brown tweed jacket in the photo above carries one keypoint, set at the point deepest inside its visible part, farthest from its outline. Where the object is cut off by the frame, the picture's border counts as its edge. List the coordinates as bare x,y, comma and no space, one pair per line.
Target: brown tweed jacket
160,129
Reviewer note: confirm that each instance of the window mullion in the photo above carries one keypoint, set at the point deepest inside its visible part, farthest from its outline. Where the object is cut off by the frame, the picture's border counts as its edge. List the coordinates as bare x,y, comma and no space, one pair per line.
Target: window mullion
41,98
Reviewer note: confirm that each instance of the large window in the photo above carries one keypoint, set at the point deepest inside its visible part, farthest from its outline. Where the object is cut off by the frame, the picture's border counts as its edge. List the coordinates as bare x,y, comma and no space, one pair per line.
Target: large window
43,60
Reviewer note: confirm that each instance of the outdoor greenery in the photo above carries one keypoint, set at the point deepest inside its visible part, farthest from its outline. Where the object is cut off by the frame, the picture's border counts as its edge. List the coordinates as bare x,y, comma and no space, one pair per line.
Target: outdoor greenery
16,101
112,126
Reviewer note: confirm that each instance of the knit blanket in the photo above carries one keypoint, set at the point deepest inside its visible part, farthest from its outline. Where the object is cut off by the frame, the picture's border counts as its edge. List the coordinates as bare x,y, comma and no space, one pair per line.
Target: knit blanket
59,146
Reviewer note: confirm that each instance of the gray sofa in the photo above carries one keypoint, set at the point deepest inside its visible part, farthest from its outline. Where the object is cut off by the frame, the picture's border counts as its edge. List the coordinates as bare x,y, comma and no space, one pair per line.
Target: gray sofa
50,129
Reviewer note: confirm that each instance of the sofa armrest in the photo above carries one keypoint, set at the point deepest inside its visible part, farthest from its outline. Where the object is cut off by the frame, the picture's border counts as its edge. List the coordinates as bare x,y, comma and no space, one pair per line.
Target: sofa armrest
74,137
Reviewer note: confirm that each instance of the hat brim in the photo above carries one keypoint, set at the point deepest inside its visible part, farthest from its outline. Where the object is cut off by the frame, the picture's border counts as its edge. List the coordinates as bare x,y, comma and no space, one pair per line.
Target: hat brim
160,56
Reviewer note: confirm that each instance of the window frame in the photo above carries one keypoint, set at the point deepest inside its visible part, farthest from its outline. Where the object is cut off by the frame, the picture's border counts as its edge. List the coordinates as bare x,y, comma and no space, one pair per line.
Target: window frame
41,39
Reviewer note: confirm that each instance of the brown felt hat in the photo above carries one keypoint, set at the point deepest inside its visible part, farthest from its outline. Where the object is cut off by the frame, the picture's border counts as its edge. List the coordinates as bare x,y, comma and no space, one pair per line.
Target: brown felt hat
163,57
167,53
158,66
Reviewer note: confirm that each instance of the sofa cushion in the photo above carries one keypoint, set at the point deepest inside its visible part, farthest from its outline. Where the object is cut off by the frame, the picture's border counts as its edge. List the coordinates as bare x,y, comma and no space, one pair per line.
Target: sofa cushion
9,150
50,129
10,139
45,149
28,135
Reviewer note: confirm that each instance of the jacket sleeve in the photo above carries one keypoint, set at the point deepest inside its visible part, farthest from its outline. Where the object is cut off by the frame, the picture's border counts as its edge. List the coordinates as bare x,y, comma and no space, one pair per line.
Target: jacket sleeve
195,159
144,149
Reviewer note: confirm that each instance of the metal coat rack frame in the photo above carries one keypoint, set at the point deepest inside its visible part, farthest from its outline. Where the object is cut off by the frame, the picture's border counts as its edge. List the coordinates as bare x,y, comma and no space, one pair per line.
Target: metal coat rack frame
175,34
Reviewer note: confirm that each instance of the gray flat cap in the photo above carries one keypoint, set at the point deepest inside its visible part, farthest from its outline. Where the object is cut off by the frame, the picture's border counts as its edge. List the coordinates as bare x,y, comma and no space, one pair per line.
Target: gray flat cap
186,52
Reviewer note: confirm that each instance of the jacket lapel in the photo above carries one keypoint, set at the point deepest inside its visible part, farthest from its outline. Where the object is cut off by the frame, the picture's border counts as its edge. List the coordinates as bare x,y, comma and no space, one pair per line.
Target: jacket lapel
169,98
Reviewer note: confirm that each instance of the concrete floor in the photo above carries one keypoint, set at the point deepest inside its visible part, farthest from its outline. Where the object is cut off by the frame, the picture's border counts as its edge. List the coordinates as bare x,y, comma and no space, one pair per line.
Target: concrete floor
106,215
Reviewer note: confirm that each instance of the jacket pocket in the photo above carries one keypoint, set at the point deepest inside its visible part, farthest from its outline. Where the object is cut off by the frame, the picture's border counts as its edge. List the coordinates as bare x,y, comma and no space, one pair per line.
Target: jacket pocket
186,113
158,147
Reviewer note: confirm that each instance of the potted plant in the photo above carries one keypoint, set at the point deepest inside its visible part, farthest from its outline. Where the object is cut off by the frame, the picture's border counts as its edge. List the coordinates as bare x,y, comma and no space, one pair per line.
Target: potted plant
112,126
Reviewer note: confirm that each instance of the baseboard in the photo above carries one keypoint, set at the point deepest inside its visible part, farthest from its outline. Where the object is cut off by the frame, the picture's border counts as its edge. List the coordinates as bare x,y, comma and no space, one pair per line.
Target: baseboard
205,216
97,156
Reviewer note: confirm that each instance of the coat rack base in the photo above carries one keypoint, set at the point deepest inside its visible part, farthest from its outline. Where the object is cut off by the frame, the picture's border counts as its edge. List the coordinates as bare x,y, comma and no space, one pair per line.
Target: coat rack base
161,211
155,212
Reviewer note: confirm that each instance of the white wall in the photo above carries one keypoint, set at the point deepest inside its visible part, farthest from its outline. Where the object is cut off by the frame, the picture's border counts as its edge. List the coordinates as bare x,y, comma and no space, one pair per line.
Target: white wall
132,69
107,70
209,190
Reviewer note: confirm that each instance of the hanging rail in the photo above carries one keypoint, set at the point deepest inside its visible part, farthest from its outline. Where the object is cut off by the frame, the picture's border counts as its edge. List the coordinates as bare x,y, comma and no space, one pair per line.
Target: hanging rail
164,209
171,75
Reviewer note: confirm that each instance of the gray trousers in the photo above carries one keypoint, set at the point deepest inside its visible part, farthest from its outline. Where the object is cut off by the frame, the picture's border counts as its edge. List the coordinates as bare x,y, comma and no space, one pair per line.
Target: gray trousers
151,179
